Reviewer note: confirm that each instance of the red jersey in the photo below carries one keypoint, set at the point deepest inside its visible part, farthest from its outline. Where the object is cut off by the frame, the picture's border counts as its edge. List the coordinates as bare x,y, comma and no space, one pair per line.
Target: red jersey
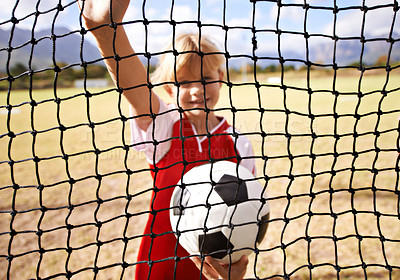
160,255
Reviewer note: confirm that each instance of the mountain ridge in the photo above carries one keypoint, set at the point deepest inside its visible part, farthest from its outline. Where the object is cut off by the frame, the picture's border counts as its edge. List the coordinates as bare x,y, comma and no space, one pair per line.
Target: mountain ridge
64,46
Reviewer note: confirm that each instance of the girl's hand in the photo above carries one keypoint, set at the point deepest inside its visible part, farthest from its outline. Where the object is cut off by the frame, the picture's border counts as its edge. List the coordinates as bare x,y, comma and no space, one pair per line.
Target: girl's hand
97,12
213,269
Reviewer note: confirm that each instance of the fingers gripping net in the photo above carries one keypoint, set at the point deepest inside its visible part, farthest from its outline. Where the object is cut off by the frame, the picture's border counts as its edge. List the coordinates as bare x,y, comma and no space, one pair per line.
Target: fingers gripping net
324,126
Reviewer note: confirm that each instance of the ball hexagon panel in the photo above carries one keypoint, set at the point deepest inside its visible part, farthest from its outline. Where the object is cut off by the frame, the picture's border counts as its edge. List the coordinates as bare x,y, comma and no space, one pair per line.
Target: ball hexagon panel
215,244
231,189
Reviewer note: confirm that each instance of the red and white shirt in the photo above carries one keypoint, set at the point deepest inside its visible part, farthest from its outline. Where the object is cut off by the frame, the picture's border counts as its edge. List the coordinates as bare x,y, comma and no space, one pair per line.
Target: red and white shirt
161,131
172,147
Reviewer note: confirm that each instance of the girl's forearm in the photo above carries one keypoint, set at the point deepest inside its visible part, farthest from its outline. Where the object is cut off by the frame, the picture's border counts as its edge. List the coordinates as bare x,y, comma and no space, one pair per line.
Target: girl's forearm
126,70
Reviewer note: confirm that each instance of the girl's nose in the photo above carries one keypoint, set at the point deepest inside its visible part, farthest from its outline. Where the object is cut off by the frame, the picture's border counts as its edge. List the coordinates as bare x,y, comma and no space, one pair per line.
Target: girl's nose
196,89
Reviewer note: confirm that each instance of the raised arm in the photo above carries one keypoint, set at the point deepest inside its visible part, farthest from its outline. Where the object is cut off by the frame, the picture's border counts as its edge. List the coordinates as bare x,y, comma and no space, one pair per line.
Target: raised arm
128,72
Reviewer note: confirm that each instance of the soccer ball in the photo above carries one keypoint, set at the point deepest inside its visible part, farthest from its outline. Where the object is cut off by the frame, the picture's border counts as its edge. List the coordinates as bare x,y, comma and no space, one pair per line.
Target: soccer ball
220,210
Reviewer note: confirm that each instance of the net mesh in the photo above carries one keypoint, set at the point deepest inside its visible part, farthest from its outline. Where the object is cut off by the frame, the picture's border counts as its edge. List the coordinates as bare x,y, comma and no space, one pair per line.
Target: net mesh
74,193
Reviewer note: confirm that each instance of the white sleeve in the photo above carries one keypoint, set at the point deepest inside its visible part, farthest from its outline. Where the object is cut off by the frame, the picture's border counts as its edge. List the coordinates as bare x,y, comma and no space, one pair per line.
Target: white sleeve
159,131
245,150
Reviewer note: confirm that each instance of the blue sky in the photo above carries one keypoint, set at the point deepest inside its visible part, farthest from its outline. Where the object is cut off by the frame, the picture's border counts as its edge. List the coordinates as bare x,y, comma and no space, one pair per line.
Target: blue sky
238,13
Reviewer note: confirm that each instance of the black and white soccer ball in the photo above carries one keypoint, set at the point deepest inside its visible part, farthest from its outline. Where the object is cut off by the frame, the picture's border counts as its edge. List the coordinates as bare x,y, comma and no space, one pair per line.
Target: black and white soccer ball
220,210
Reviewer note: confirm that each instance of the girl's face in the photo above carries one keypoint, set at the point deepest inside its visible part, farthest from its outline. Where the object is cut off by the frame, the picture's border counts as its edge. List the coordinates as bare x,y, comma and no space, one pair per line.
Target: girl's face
192,94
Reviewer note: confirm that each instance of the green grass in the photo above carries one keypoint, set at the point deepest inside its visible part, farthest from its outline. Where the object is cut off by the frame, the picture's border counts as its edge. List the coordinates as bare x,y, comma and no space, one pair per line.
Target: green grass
290,220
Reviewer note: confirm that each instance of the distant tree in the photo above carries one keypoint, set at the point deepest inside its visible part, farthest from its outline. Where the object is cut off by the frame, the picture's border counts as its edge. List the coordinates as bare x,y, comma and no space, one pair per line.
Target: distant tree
93,71
97,71
18,69
382,60
354,64
271,68
289,68
20,76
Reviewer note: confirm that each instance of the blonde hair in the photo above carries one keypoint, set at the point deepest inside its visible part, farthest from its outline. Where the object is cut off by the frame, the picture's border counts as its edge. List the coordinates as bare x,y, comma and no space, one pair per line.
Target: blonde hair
188,48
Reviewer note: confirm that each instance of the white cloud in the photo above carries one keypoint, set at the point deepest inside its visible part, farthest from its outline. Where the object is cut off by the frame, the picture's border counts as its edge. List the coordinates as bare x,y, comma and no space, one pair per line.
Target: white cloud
183,13
349,23
25,12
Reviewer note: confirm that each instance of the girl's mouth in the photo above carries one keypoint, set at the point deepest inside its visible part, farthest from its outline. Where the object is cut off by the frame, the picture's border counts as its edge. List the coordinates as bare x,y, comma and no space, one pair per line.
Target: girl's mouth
198,102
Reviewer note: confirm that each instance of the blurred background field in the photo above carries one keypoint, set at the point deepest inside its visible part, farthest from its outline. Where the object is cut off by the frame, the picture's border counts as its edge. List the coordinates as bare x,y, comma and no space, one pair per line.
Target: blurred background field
330,164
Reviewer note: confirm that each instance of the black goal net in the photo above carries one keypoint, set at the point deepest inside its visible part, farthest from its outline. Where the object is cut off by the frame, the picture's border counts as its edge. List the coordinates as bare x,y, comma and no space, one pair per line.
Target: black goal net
313,85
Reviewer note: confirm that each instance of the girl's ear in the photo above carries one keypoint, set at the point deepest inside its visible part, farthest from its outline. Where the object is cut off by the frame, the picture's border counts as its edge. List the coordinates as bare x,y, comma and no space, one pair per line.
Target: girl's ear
168,89
221,77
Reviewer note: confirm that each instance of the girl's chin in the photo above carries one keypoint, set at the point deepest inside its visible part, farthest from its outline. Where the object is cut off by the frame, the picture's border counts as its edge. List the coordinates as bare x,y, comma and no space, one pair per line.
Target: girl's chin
197,112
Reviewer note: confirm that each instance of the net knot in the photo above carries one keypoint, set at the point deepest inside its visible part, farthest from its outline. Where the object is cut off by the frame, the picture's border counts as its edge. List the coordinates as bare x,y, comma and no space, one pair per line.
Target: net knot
117,57
57,69
69,274
128,216
364,8
62,128
14,20
113,25
88,94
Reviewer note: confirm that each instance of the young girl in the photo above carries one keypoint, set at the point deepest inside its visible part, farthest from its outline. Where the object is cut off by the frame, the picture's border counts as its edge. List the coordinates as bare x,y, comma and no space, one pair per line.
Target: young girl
174,137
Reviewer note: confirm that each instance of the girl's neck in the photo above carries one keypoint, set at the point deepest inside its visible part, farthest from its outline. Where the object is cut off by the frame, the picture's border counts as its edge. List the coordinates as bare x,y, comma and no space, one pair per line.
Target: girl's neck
206,124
